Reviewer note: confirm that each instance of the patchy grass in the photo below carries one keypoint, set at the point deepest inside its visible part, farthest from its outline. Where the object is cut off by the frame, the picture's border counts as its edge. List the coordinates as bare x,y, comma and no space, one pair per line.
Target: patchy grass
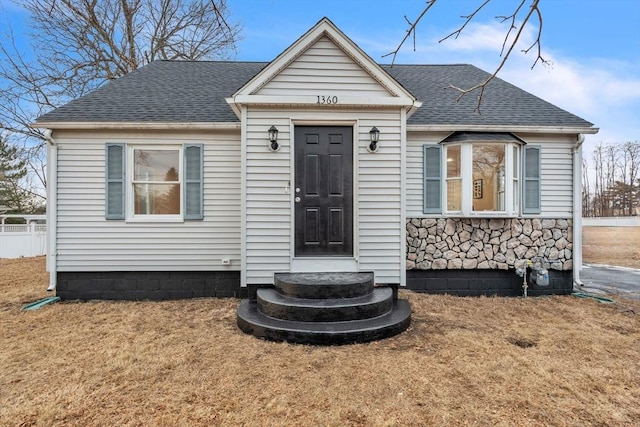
611,245
464,361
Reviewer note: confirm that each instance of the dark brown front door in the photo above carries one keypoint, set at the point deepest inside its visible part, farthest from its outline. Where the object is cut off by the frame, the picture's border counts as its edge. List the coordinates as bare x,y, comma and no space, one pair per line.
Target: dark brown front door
323,191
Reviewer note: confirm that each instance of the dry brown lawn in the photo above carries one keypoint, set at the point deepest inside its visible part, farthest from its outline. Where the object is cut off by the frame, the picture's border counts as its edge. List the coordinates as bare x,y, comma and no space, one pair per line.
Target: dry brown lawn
611,245
558,361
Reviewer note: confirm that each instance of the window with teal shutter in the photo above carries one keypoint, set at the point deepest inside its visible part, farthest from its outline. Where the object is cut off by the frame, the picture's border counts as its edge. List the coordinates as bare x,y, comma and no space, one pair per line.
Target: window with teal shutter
531,203
115,181
154,182
193,191
432,179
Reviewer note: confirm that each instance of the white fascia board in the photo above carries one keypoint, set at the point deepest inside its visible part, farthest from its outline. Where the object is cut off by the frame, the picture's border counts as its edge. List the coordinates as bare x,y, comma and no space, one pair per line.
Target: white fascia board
324,28
140,125
312,101
235,107
507,128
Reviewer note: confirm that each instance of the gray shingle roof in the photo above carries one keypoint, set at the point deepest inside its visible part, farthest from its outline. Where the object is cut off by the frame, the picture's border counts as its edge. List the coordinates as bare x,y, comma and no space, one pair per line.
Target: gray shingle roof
502,102
184,91
163,91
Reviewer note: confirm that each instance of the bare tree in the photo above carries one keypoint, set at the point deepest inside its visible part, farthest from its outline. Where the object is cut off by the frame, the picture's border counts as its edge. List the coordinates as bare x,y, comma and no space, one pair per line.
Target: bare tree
601,205
617,180
78,45
628,174
517,20
587,207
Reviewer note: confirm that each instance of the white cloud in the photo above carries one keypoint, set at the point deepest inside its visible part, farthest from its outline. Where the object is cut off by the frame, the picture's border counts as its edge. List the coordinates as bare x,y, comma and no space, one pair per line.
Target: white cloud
487,37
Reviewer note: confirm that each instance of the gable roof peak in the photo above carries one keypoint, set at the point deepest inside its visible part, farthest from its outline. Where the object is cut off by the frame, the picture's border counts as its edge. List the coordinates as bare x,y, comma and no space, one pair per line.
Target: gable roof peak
324,28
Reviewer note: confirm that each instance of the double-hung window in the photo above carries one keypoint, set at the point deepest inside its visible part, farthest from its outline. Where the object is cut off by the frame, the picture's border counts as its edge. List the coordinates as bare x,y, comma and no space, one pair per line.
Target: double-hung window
482,175
154,182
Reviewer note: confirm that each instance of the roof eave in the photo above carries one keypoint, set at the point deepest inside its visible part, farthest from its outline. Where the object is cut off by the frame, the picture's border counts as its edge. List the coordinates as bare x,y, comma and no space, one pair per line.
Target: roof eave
138,125
503,128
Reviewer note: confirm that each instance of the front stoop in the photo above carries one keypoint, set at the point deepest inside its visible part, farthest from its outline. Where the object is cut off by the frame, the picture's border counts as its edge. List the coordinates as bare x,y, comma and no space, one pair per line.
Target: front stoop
324,309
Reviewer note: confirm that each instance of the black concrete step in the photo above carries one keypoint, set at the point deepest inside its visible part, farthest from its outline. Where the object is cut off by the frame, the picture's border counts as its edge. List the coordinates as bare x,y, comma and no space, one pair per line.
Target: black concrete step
252,321
274,304
324,285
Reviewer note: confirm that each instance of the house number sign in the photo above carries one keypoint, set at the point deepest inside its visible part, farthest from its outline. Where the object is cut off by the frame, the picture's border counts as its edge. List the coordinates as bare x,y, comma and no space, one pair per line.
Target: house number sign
327,99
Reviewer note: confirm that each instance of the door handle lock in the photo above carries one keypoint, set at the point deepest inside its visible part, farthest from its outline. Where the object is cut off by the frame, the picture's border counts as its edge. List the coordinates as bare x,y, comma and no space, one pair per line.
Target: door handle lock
297,199
297,189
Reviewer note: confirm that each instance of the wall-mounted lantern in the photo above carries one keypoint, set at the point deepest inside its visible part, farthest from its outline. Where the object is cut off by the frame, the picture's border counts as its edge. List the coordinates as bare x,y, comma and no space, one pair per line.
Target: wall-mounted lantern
374,136
273,139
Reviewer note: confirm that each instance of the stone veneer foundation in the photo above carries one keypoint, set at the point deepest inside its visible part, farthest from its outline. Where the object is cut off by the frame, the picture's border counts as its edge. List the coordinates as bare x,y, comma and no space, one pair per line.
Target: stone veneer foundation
437,249
470,243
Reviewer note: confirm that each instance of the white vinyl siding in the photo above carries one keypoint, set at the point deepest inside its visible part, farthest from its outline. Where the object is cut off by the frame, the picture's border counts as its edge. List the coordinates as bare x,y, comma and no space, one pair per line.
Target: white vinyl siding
324,69
556,172
556,164
86,241
269,203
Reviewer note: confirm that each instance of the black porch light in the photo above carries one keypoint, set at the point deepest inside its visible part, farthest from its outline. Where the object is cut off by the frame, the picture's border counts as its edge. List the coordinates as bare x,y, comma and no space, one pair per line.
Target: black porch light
273,139
374,136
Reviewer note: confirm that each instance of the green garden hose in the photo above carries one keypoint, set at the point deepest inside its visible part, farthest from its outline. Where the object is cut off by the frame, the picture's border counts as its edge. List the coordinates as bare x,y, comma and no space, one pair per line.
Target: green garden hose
603,300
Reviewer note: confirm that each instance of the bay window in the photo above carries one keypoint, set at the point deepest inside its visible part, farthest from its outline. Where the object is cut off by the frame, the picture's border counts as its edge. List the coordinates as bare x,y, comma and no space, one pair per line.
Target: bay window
454,178
482,176
488,173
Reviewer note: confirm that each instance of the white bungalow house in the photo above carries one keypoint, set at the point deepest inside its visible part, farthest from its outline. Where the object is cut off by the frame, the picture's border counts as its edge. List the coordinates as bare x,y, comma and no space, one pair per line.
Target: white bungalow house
187,179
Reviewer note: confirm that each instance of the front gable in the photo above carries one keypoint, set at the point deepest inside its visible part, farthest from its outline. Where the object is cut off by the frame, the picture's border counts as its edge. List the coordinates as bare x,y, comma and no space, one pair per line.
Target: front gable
323,67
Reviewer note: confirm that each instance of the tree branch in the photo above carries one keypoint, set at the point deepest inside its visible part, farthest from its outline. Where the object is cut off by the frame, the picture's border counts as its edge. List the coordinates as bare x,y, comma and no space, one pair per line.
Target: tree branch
468,19
482,86
410,31
508,43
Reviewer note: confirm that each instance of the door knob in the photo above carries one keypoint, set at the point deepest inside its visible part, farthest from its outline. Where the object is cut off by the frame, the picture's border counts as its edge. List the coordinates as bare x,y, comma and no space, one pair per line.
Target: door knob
297,199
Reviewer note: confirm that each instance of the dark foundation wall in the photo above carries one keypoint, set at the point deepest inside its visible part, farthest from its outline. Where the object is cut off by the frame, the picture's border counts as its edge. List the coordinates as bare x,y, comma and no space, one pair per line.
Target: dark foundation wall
150,285
180,285
485,282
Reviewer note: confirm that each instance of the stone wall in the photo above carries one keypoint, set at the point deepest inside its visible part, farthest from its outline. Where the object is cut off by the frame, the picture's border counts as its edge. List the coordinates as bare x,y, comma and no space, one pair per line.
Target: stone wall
482,243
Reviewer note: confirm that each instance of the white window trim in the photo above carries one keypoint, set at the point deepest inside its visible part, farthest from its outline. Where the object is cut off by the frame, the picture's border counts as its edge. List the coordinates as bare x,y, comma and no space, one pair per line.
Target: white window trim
466,158
130,203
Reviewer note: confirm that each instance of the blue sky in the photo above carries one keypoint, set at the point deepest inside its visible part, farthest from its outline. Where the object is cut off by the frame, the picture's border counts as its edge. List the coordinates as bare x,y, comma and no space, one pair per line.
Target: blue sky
594,46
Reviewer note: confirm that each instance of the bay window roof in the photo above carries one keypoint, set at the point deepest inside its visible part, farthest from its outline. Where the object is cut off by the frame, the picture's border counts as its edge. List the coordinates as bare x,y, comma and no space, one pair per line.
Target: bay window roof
482,137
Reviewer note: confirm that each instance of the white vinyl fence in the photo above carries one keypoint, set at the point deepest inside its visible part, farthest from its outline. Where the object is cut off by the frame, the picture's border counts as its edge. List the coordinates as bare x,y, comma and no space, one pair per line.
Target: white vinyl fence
23,240
617,221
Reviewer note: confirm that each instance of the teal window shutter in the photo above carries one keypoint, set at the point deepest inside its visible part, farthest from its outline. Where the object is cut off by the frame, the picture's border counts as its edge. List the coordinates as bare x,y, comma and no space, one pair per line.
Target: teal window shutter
193,185
531,192
432,188
115,181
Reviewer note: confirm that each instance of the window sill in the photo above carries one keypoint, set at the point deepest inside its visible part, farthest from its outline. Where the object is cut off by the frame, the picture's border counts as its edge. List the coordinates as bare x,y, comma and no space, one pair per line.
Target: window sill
487,214
155,219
